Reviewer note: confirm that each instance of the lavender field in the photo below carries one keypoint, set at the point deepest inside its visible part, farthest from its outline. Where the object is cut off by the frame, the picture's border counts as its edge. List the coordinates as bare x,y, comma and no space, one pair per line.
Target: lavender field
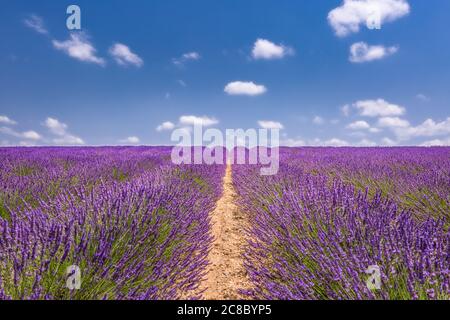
136,225
139,227
330,213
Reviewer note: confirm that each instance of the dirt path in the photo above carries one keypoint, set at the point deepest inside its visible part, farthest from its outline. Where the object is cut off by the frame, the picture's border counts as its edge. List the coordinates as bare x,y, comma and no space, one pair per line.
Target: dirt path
226,272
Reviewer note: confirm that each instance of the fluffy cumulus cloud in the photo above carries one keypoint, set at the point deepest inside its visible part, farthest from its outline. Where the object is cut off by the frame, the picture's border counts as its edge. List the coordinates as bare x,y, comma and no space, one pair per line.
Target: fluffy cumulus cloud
267,50
358,125
55,126
404,131
31,135
393,122
123,55
389,118
244,88
130,140
36,23
429,128
59,129
165,126
79,48
27,135
7,120
190,120
268,124
378,108
362,52
352,14
189,56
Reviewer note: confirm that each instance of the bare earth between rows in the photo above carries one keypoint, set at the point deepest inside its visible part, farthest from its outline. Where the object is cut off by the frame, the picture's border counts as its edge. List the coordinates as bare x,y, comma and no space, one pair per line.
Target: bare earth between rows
226,273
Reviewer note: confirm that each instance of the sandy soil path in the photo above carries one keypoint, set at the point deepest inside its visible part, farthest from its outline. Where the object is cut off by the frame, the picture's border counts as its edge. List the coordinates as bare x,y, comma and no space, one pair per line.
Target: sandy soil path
226,272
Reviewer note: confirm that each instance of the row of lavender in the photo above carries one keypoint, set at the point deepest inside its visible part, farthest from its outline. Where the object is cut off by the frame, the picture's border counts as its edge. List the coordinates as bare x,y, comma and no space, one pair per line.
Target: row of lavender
332,219
131,224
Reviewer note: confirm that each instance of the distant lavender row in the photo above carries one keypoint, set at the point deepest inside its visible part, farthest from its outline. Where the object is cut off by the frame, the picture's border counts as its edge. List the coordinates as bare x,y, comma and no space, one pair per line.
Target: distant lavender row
136,225
329,214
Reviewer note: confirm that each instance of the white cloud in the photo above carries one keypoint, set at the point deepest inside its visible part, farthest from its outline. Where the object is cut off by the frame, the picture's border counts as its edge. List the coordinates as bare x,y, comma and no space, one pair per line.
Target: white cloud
293,143
358,125
388,142
28,135
335,142
124,56
374,130
352,14
393,122
165,126
36,23
9,131
378,108
27,144
244,88
60,129
264,49
78,47
318,120
268,124
6,120
55,126
366,143
362,125
130,140
361,52
68,140
429,128
31,135
189,56
186,122
437,143
195,120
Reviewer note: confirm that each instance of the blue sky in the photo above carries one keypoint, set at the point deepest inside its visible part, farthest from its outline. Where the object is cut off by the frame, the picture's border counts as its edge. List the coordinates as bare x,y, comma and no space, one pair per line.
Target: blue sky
138,70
